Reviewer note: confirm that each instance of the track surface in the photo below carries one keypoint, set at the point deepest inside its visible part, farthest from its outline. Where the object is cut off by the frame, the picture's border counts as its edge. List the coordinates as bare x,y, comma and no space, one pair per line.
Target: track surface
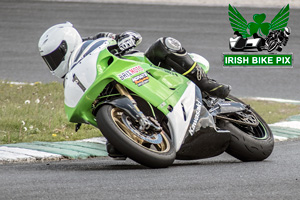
222,177
205,30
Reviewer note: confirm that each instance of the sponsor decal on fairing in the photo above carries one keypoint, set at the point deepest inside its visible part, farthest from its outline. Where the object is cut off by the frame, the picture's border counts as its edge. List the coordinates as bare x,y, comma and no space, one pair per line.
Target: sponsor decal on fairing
128,73
198,105
141,79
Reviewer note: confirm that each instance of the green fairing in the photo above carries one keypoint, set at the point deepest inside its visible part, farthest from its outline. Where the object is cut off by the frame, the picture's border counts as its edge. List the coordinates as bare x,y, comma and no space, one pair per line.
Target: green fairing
163,89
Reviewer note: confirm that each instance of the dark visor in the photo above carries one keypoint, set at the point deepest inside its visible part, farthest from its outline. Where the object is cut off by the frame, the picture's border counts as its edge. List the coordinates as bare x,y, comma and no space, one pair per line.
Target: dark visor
54,58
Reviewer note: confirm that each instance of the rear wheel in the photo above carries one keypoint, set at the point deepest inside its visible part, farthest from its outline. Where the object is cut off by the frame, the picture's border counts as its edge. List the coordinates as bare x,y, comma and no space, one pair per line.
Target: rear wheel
249,143
148,148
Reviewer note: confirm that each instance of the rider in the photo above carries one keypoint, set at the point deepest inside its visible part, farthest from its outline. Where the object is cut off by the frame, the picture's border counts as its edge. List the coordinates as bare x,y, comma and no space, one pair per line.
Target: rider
59,41
282,36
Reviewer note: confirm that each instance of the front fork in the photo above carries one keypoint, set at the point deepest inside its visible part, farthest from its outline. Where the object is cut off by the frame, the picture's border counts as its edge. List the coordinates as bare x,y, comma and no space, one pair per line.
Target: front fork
144,122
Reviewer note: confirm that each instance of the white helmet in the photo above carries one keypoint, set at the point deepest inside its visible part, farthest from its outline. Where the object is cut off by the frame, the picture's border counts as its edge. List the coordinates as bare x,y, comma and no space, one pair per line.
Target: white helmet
56,46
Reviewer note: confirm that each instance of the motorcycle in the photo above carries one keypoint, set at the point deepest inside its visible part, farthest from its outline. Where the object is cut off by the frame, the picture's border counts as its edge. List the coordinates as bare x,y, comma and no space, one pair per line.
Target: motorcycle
273,42
277,39
153,115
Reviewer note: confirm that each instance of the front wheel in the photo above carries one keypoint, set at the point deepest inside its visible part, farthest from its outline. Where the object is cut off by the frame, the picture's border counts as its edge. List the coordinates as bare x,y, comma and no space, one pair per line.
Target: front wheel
149,149
249,143
272,45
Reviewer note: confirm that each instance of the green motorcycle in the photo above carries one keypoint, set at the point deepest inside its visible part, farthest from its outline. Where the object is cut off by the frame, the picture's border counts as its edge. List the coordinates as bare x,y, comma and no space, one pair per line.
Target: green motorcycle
153,115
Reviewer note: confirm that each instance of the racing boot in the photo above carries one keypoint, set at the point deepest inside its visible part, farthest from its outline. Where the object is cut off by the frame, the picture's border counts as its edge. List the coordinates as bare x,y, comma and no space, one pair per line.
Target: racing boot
208,85
167,52
196,74
114,153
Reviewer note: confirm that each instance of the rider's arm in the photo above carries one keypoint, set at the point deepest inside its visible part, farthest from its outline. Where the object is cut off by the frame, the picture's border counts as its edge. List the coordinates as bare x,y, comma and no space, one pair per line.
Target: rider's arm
100,35
126,40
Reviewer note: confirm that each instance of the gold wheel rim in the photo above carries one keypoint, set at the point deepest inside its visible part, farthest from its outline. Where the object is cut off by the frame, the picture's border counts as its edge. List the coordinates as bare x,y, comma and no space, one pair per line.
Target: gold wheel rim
162,147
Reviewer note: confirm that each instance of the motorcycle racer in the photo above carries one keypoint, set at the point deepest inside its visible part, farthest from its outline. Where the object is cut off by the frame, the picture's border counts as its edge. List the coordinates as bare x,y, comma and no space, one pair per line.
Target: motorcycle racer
168,117
58,43
282,36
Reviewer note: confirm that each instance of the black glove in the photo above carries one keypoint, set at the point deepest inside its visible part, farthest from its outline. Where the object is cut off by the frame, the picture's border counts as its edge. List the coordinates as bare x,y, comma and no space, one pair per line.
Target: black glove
128,40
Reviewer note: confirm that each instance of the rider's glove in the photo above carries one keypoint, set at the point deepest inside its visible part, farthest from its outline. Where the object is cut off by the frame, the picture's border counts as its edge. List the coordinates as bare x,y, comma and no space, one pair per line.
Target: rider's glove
128,40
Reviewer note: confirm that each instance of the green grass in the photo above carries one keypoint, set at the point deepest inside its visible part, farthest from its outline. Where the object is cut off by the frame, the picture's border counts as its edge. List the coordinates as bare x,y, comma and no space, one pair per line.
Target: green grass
273,112
36,113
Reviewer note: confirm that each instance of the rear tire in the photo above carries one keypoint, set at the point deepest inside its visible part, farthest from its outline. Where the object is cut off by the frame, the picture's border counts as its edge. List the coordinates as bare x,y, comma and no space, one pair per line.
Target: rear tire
249,143
111,124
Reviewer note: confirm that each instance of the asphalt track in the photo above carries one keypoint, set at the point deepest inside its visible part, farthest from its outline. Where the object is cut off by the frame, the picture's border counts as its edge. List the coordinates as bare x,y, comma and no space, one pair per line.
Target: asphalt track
204,30
222,177
201,29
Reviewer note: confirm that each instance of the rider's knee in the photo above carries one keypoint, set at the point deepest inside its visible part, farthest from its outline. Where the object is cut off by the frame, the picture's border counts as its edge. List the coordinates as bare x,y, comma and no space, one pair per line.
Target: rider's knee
167,52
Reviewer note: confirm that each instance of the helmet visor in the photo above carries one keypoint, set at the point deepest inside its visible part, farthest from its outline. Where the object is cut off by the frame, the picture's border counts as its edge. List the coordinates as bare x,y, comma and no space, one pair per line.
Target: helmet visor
54,58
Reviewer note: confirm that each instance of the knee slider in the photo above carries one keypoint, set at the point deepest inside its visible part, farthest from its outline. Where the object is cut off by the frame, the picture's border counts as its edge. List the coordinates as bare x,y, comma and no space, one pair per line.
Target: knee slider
168,52
180,62
178,59
162,47
157,52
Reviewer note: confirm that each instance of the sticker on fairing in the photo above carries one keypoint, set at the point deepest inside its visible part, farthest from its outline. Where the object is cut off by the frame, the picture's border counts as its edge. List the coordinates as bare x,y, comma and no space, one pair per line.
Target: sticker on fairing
128,73
141,79
197,113
76,80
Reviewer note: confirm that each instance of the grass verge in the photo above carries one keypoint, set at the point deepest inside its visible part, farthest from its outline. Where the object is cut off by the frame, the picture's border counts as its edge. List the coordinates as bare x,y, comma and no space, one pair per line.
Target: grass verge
271,111
35,112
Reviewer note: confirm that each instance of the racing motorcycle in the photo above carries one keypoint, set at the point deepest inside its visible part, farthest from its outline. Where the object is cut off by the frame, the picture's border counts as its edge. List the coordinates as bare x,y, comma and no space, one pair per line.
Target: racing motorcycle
276,40
154,115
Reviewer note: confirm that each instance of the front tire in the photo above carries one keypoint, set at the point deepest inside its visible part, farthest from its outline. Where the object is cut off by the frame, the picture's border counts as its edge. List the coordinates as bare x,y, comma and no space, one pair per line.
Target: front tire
249,143
272,45
117,127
